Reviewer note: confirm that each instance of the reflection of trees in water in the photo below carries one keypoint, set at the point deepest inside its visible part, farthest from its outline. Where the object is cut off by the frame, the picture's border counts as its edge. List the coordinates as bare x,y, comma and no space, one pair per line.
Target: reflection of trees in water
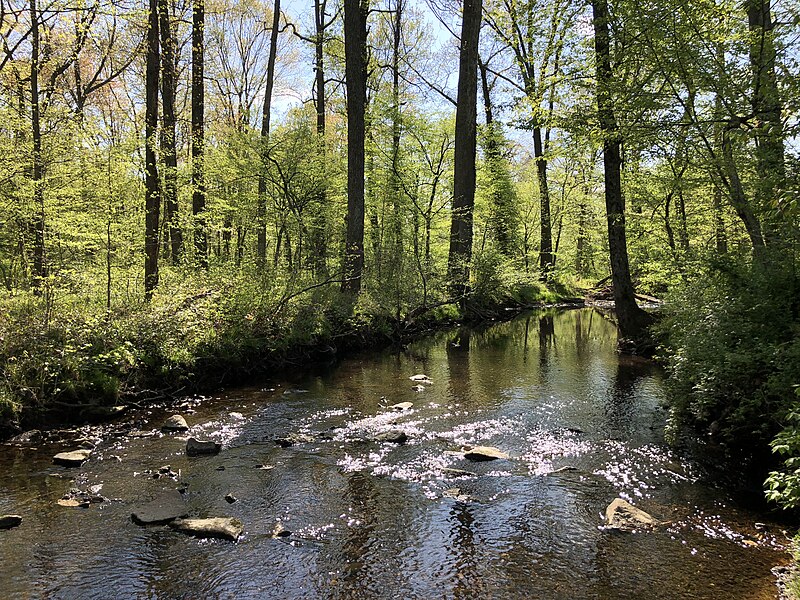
459,385
620,403
466,572
547,342
361,494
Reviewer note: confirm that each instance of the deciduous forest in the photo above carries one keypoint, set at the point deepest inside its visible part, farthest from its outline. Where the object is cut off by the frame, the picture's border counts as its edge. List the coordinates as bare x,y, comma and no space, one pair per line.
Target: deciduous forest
196,189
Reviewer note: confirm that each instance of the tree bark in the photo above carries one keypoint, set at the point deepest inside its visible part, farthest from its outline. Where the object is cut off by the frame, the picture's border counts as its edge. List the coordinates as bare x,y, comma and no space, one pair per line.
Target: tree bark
37,171
198,135
168,120
632,319
546,256
265,125
355,49
153,197
317,225
460,254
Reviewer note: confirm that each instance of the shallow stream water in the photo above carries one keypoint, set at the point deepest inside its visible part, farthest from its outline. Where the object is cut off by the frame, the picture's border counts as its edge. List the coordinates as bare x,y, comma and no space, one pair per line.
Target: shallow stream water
381,520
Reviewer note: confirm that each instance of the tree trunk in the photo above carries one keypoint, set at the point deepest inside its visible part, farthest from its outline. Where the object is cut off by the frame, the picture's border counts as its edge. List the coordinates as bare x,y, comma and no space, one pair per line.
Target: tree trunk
546,256
152,198
318,242
355,48
632,319
37,172
460,253
766,102
396,266
198,135
265,122
168,120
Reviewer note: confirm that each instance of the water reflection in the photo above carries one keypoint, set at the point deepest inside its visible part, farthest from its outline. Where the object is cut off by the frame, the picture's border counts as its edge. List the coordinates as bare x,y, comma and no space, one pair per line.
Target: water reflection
378,519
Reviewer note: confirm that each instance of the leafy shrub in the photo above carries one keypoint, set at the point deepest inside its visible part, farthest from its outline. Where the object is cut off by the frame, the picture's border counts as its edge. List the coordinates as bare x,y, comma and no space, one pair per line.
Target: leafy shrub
734,353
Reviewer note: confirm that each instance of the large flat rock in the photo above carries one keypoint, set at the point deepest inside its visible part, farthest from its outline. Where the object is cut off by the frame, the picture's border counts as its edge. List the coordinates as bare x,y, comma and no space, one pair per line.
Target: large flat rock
217,527
165,507
483,453
75,458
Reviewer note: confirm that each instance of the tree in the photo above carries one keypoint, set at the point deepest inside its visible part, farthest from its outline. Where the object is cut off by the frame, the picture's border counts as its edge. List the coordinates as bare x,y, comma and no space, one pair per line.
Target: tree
198,135
265,121
632,319
169,84
152,195
460,253
355,48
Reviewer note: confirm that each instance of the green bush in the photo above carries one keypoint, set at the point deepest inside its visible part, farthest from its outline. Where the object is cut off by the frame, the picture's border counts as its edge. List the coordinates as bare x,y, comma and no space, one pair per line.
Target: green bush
733,353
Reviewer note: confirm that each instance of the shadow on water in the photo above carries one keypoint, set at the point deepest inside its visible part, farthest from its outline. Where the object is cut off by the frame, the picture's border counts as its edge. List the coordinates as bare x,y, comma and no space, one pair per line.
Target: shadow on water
372,519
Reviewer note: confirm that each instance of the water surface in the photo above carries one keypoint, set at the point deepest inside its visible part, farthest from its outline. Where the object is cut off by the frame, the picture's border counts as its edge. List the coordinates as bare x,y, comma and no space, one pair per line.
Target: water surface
379,520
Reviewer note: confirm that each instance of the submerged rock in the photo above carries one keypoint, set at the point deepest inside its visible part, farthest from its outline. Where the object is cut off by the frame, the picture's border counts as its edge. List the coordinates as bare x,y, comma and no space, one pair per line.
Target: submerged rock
483,453
75,458
280,531
34,436
175,423
421,378
564,469
623,515
195,447
76,497
402,406
418,388
449,472
166,507
457,495
219,527
292,439
394,436
9,521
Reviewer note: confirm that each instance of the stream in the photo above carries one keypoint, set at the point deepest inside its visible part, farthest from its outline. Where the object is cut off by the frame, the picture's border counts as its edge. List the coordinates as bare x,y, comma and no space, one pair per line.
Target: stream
369,519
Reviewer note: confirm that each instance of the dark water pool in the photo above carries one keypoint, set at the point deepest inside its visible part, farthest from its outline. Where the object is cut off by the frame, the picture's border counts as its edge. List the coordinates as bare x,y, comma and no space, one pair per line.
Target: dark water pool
379,520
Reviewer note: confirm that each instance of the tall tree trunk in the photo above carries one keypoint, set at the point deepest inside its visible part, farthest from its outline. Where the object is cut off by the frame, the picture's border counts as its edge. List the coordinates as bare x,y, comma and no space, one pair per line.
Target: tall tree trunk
546,257
396,267
460,254
265,122
766,101
198,135
318,241
355,49
168,120
37,171
632,319
152,198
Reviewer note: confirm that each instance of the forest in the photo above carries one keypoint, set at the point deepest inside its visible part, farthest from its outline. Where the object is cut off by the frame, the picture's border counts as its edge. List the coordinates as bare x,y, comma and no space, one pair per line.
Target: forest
190,189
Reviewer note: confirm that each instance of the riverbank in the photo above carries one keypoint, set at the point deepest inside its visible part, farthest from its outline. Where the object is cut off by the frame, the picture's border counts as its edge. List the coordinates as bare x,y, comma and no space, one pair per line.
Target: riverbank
68,362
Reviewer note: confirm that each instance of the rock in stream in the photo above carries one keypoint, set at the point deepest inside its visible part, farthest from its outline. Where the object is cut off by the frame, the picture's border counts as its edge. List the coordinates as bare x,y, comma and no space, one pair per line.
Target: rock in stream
166,507
175,423
217,527
483,453
195,447
75,458
9,521
624,516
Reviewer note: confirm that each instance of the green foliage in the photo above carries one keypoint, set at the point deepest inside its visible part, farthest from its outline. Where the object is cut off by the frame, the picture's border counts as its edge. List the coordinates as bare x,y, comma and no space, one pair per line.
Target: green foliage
783,487
499,282
733,352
